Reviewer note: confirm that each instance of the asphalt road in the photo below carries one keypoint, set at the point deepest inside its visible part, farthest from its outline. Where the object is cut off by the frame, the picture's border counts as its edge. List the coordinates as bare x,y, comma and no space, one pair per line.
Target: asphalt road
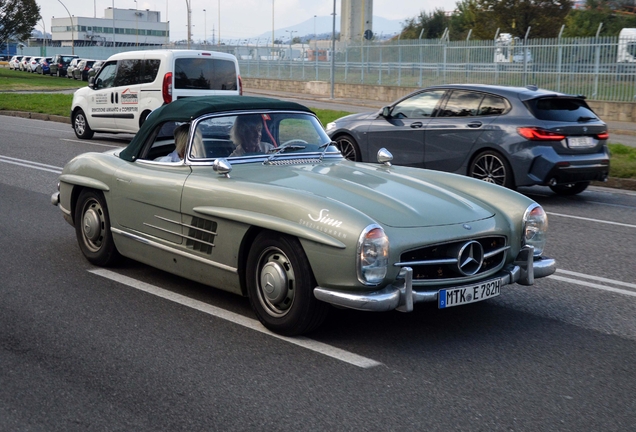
135,348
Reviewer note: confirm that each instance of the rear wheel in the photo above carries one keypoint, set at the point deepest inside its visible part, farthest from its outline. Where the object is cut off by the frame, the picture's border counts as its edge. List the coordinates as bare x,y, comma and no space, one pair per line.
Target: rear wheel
570,189
280,285
81,127
348,147
491,167
92,229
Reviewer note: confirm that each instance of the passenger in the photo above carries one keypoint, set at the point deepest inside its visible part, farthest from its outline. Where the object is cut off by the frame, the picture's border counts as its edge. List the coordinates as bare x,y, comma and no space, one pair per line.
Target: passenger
246,134
180,141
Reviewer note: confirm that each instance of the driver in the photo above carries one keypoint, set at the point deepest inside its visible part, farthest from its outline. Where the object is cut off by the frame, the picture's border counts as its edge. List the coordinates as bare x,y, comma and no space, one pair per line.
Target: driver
246,134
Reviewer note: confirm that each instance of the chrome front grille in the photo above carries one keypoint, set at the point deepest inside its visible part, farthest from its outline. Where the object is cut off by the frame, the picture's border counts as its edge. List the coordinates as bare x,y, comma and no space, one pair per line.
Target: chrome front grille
456,260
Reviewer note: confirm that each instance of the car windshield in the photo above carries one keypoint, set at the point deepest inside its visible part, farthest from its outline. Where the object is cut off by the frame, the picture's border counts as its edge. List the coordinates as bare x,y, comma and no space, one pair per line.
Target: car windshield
257,134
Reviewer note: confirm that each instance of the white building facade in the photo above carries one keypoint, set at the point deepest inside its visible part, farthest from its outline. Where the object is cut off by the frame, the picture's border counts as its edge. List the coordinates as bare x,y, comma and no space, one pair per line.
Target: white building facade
119,27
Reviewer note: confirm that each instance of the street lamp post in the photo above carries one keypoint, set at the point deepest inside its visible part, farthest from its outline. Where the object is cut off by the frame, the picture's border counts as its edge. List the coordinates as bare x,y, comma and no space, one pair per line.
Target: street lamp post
72,30
205,27
136,25
189,22
219,22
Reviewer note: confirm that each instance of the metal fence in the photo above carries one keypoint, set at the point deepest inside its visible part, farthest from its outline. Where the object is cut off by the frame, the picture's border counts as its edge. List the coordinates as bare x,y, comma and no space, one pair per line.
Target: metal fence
586,66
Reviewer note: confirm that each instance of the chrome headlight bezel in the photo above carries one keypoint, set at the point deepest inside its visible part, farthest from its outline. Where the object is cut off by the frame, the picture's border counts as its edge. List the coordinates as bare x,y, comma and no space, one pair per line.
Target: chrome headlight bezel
535,227
372,255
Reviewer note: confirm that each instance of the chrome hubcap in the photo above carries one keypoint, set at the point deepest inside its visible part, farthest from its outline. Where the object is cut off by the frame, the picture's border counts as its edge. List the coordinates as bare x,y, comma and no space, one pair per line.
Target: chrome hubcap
79,124
93,226
276,282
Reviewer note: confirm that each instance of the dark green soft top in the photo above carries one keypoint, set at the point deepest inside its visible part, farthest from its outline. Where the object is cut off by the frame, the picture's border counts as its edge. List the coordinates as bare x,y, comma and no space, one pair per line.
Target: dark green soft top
188,109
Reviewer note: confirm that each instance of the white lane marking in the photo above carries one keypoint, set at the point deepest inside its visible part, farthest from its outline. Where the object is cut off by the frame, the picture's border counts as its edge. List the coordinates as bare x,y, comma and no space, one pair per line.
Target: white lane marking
593,285
91,143
250,323
591,220
30,164
597,278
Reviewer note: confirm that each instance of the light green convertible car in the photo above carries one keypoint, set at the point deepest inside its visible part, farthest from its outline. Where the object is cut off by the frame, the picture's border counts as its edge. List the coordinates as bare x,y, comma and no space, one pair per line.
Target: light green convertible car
290,223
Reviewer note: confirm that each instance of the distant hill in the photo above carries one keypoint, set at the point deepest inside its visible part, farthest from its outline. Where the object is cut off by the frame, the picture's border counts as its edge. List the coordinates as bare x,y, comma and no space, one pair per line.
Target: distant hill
305,30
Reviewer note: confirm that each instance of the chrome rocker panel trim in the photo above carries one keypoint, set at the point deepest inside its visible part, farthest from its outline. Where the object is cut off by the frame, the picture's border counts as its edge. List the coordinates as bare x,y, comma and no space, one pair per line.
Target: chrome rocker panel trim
401,295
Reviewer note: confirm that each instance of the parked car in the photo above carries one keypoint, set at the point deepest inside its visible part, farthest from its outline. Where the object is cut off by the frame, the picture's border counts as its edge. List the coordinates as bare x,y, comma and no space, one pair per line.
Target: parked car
60,64
71,67
81,71
131,84
511,136
43,66
293,225
33,64
24,63
14,63
95,68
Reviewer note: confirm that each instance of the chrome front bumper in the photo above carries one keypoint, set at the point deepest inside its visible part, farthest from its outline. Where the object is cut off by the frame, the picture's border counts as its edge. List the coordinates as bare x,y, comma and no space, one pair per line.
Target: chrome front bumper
401,295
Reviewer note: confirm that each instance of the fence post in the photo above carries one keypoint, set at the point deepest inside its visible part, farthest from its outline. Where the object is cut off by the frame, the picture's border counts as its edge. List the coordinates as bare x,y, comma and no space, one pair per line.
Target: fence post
399,62
419,83
559,59
525,57
597,60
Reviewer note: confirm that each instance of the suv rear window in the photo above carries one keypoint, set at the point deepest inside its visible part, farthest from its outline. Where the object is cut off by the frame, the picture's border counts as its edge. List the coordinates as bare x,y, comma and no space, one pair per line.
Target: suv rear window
560,109
204,74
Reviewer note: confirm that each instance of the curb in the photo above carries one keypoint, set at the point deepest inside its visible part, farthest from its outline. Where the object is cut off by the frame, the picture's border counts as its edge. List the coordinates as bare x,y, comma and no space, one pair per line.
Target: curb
37,116
612,182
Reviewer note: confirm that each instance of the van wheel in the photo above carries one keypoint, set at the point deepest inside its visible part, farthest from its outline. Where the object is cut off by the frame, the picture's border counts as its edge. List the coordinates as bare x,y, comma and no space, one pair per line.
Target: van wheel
81,127
142,118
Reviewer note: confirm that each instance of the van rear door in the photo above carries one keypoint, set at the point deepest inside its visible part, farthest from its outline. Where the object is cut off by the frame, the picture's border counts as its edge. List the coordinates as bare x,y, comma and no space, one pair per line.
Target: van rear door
205,74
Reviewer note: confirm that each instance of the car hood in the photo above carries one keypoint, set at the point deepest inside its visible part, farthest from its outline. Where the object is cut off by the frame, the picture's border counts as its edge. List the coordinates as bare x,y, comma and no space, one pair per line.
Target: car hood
391,196
356,117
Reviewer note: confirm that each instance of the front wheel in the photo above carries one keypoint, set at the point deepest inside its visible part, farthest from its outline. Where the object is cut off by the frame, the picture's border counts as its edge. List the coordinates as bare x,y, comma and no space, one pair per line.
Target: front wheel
280,285
348,147
491,167
81,127
570,189
92,229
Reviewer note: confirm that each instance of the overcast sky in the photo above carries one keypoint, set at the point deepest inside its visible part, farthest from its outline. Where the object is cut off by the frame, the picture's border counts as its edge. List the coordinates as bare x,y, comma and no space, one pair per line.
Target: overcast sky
239,18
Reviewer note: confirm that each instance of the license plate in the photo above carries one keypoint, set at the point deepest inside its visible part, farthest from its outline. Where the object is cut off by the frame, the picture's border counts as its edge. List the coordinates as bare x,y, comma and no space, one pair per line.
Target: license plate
468,294
579,142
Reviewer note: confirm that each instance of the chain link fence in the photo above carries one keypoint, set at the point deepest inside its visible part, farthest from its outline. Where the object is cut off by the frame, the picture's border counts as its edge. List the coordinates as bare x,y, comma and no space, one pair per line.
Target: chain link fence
600,68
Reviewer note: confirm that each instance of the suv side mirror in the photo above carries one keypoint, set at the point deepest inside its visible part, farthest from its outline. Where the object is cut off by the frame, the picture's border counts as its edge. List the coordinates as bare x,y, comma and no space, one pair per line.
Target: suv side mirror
386,112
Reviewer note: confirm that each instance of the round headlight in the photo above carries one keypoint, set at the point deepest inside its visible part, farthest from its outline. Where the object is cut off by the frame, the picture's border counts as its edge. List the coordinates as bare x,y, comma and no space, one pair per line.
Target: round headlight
535,227
373,255
330,125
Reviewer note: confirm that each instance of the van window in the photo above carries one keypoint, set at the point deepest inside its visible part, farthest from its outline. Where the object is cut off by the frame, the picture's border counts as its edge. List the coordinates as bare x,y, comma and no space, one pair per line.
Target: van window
131,72
205,74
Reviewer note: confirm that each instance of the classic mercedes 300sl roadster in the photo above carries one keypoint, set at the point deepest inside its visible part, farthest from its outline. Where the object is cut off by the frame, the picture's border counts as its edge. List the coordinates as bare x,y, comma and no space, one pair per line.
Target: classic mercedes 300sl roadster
258,201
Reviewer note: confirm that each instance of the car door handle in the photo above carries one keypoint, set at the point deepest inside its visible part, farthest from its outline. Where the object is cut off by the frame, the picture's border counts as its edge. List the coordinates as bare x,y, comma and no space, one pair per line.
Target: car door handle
475,124
417,125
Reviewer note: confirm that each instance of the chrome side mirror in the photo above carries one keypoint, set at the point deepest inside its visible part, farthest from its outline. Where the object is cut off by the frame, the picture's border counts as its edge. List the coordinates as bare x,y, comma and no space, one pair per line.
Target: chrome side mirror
385,157
222,166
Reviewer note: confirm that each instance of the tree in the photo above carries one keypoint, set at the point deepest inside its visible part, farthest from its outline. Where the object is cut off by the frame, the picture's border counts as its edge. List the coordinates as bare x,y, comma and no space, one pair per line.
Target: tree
545,17
433,24
17,19
585,22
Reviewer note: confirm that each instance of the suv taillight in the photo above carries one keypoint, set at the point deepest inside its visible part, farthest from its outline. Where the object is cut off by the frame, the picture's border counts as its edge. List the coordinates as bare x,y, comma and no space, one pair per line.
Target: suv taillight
538,134
166,88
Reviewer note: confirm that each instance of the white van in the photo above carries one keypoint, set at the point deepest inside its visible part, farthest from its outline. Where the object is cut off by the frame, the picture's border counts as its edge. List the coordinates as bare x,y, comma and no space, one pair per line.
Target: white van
132,84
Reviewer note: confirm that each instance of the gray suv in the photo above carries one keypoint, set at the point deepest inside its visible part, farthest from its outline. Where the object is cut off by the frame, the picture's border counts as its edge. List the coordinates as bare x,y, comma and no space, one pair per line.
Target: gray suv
60,63
511,136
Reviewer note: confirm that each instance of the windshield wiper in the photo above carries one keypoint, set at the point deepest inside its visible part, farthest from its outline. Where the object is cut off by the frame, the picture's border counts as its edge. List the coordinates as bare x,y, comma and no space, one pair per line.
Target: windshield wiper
324,148
283,149
584,119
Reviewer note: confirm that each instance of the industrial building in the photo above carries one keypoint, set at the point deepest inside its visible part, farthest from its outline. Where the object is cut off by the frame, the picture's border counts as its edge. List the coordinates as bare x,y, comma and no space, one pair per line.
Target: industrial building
119,27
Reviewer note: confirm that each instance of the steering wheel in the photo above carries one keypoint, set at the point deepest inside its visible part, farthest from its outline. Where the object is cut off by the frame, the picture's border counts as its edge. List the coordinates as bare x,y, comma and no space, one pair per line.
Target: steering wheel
295,140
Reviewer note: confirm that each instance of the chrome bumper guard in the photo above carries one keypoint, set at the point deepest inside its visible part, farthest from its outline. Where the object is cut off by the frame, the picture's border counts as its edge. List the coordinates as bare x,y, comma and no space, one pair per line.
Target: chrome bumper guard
401,295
